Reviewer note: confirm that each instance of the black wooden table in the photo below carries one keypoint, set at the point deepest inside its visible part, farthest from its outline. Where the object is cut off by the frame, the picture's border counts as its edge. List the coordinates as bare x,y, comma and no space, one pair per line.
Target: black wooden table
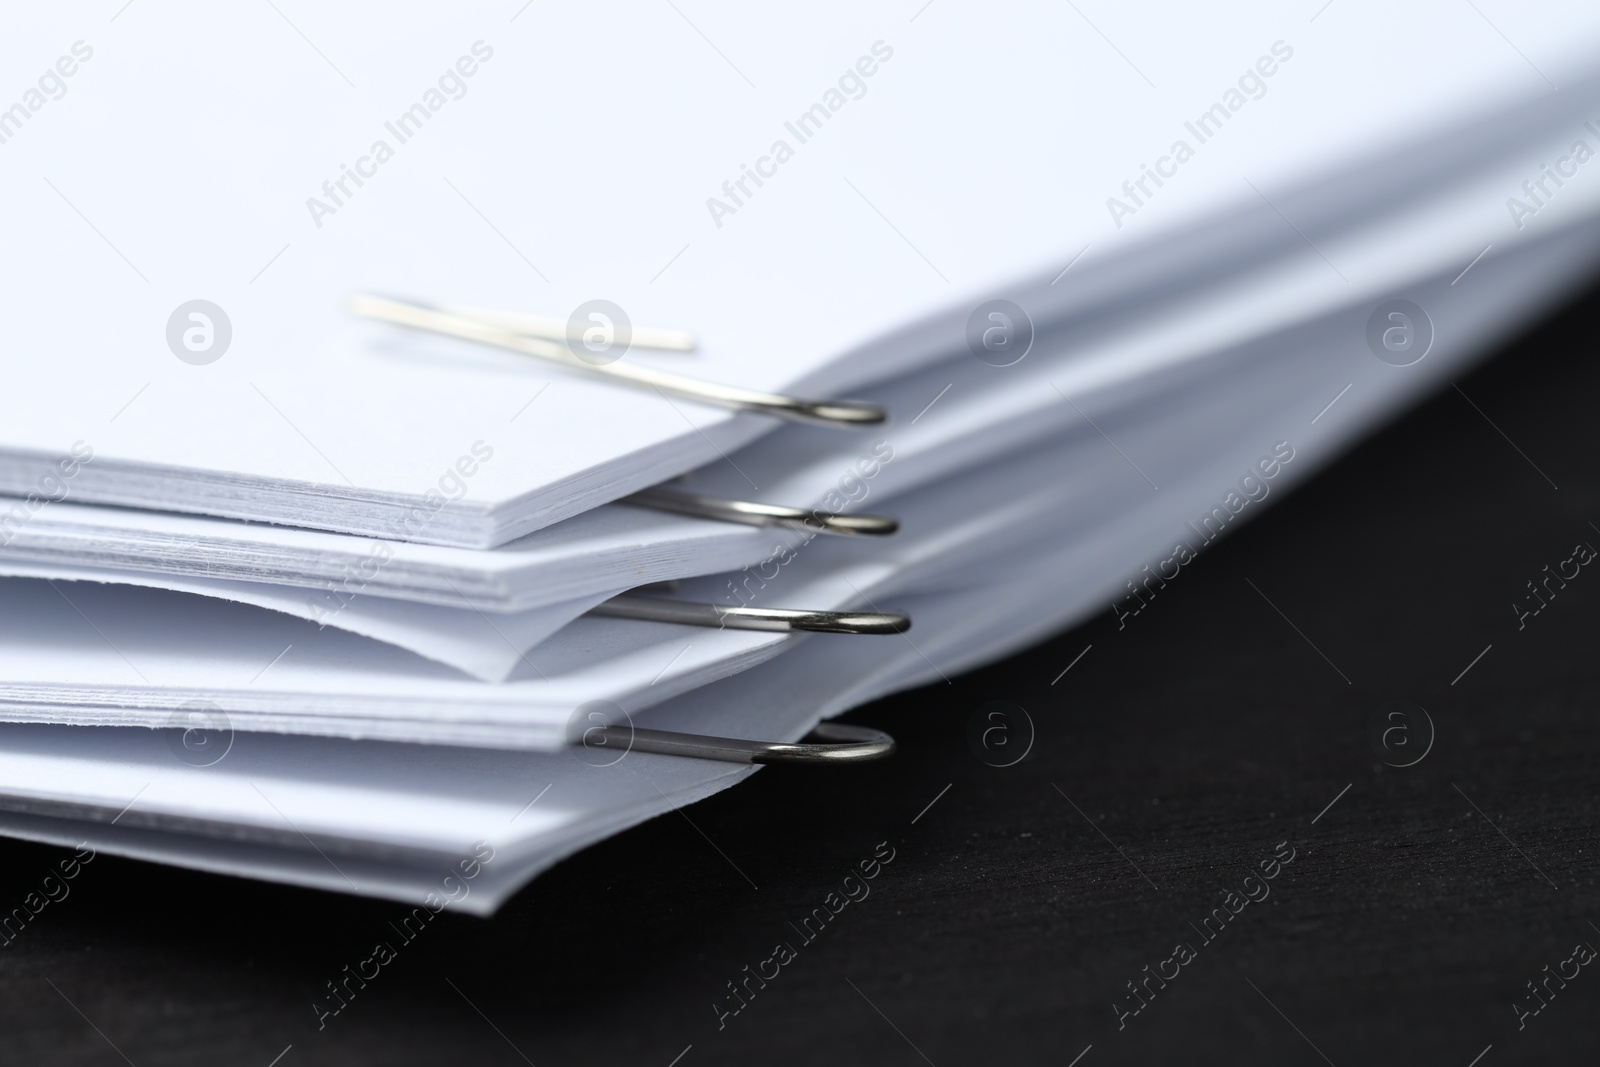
1105,900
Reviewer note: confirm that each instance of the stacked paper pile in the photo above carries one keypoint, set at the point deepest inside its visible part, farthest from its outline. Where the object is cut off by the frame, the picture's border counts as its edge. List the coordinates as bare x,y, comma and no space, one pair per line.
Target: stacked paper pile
374,587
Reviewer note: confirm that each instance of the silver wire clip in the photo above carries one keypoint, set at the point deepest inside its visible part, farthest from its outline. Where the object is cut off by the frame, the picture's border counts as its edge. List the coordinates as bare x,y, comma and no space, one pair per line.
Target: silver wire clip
750,513
509,331
771,620
836,742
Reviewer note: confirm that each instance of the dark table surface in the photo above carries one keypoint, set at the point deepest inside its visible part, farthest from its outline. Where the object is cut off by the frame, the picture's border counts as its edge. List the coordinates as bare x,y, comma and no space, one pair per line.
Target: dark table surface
1265,702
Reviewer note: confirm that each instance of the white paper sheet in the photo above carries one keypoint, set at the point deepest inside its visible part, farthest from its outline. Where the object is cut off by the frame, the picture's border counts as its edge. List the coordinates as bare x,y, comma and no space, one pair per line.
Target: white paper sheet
860,259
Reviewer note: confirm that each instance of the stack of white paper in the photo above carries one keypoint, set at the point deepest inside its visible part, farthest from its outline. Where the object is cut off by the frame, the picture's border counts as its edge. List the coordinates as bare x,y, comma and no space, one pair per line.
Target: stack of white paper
365,582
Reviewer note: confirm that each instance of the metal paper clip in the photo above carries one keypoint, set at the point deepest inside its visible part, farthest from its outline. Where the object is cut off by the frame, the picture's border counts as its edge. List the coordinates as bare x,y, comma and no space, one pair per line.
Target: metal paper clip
470,328
753,514
554,329
836,743
772,620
